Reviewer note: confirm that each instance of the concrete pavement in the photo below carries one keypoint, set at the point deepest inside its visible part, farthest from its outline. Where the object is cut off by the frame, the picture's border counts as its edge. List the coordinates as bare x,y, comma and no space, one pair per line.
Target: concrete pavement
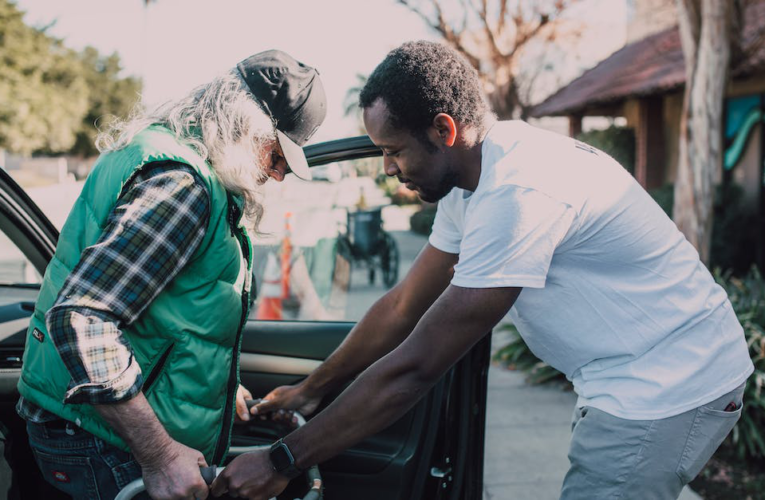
527,435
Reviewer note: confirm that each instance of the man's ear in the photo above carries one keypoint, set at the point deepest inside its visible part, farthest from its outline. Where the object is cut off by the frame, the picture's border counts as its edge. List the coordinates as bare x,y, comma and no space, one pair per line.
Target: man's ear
444,129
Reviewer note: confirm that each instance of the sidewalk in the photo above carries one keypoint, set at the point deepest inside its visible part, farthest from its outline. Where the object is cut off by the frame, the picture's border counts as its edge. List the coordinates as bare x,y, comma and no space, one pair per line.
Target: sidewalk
527,435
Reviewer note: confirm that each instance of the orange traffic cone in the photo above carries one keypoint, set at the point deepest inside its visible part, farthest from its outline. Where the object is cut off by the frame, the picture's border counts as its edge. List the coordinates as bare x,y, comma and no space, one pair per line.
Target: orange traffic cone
270,302
286,256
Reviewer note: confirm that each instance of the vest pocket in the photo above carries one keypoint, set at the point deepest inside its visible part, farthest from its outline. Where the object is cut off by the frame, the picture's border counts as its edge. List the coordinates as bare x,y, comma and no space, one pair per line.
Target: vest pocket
157,369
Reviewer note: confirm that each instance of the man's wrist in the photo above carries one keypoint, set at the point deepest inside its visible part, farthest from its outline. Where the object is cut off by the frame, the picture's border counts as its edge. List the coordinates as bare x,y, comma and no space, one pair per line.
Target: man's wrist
283,461
153,455
312,387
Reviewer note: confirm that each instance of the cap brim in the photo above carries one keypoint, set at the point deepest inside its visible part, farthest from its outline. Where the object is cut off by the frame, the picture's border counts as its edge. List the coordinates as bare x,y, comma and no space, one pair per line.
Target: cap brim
295,157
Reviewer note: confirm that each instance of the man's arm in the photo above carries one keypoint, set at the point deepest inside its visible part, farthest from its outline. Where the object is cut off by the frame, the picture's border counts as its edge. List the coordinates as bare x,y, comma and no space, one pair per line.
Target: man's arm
385,391
387,323
170,469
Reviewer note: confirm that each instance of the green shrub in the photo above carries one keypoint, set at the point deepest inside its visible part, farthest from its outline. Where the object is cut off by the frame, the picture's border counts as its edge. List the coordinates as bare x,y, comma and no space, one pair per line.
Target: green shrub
421,222
665,197
734,231
747,294
618,142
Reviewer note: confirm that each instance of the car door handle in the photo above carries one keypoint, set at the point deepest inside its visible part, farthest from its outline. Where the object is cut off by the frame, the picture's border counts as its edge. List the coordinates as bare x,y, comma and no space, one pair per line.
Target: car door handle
438,472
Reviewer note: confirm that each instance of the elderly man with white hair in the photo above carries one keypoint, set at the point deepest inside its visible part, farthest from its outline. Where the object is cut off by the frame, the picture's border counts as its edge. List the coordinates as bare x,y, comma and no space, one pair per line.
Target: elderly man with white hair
130,368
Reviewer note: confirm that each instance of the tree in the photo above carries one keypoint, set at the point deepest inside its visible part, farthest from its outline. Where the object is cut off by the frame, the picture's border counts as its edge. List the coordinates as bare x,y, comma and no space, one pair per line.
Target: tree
50,95
494,38
109,96
709,31
42,93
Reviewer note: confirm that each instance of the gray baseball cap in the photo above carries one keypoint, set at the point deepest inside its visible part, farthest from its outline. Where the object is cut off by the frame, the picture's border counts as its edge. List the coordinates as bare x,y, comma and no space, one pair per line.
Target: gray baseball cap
292,93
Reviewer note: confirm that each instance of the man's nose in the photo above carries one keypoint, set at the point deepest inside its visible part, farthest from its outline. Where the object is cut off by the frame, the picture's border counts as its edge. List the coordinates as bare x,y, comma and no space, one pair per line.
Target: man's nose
390,167
276,174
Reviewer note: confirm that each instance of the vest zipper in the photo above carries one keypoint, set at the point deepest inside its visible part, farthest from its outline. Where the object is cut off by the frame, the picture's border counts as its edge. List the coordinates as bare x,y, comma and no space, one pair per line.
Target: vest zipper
157,369
221,446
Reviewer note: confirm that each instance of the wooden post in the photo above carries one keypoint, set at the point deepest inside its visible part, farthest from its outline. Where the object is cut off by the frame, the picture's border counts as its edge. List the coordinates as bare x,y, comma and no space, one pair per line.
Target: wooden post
574,125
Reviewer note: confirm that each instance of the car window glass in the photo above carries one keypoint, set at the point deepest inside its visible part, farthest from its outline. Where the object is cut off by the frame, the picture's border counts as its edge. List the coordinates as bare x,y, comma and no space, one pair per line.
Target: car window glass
15,267
329,248
326,250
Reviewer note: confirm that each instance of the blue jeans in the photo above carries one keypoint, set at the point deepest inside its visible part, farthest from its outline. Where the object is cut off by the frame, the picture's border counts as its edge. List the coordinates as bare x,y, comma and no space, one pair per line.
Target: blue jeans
80,464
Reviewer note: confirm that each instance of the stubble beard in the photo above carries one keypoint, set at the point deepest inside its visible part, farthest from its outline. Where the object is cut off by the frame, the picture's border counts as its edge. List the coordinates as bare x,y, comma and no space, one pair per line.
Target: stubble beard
446,183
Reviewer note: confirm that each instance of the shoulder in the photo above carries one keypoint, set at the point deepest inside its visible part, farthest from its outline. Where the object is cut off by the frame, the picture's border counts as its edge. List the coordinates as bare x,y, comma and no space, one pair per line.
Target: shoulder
173,172
176,180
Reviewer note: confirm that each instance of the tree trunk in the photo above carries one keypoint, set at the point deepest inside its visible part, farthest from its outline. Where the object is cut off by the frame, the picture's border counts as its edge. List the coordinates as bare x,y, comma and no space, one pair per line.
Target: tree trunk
706,40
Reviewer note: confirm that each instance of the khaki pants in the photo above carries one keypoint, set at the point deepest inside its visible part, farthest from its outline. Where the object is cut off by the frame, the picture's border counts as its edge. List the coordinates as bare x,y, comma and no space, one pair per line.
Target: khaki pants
614,458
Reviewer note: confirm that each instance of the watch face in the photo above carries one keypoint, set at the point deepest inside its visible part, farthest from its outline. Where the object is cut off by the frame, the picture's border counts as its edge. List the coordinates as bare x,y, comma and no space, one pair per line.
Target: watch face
283,461
280,456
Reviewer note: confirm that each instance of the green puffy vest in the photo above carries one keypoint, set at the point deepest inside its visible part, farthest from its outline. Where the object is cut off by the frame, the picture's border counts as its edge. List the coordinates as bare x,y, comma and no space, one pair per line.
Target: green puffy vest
187,340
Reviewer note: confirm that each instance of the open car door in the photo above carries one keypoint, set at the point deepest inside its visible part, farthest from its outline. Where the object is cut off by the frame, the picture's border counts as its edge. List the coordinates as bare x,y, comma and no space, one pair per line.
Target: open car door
27,243
434,452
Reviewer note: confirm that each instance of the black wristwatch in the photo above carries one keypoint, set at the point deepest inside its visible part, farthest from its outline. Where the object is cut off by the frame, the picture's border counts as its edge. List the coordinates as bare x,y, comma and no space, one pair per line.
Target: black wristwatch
283,461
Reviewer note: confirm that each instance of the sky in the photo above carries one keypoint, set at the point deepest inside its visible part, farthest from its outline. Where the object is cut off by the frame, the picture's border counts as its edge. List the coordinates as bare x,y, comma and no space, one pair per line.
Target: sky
175,45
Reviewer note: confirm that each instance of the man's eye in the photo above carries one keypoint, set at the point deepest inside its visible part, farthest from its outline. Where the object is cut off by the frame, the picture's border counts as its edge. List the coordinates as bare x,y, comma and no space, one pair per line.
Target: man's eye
392,153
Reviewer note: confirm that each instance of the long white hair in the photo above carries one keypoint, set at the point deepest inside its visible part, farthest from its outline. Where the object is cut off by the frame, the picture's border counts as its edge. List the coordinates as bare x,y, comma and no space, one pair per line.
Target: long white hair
222,123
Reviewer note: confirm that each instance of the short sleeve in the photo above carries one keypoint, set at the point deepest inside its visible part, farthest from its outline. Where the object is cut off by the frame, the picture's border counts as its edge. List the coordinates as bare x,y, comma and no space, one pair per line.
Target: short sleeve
446,234
511,234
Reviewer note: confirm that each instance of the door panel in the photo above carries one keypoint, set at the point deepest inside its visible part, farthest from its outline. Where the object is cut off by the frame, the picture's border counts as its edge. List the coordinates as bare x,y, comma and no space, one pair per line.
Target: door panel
392,464
27,243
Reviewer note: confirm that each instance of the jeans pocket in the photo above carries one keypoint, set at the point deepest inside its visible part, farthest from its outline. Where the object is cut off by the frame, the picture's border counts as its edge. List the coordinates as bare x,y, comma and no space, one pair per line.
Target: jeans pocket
73,475
126,473
709,429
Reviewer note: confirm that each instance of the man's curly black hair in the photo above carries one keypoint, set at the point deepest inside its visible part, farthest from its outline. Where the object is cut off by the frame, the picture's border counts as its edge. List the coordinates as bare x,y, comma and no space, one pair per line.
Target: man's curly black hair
420,79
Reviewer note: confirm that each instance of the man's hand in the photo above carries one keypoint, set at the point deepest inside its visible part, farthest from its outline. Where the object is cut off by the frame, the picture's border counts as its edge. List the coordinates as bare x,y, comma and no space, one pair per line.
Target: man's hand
250,476
288,397
242,395
174,474
170,469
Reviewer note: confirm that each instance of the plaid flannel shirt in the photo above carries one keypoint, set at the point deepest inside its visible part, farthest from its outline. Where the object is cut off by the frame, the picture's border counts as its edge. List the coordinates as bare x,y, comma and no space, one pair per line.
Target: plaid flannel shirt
156,226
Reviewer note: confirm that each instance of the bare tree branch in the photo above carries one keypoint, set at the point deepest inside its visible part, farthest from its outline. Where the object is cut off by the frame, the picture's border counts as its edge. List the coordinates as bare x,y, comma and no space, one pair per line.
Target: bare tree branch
496,53
493,36
502,16
442,27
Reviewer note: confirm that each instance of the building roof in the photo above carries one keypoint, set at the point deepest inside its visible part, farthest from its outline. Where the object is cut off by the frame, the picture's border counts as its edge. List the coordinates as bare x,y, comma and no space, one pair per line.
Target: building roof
653,65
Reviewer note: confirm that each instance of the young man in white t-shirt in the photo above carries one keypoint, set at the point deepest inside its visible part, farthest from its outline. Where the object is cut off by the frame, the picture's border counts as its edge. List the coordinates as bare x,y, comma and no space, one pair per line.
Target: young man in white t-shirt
601,284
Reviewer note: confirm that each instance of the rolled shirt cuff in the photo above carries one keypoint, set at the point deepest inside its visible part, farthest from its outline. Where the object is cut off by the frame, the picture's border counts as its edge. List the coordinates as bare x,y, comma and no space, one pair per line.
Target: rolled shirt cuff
121,388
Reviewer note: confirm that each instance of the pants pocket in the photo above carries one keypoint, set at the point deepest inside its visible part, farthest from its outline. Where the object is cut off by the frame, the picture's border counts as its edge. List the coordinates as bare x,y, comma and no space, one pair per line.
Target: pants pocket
709,429
126,473
73,475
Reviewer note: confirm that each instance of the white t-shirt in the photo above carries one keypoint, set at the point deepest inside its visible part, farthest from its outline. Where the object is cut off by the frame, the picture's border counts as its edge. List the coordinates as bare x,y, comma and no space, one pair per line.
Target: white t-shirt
613,295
